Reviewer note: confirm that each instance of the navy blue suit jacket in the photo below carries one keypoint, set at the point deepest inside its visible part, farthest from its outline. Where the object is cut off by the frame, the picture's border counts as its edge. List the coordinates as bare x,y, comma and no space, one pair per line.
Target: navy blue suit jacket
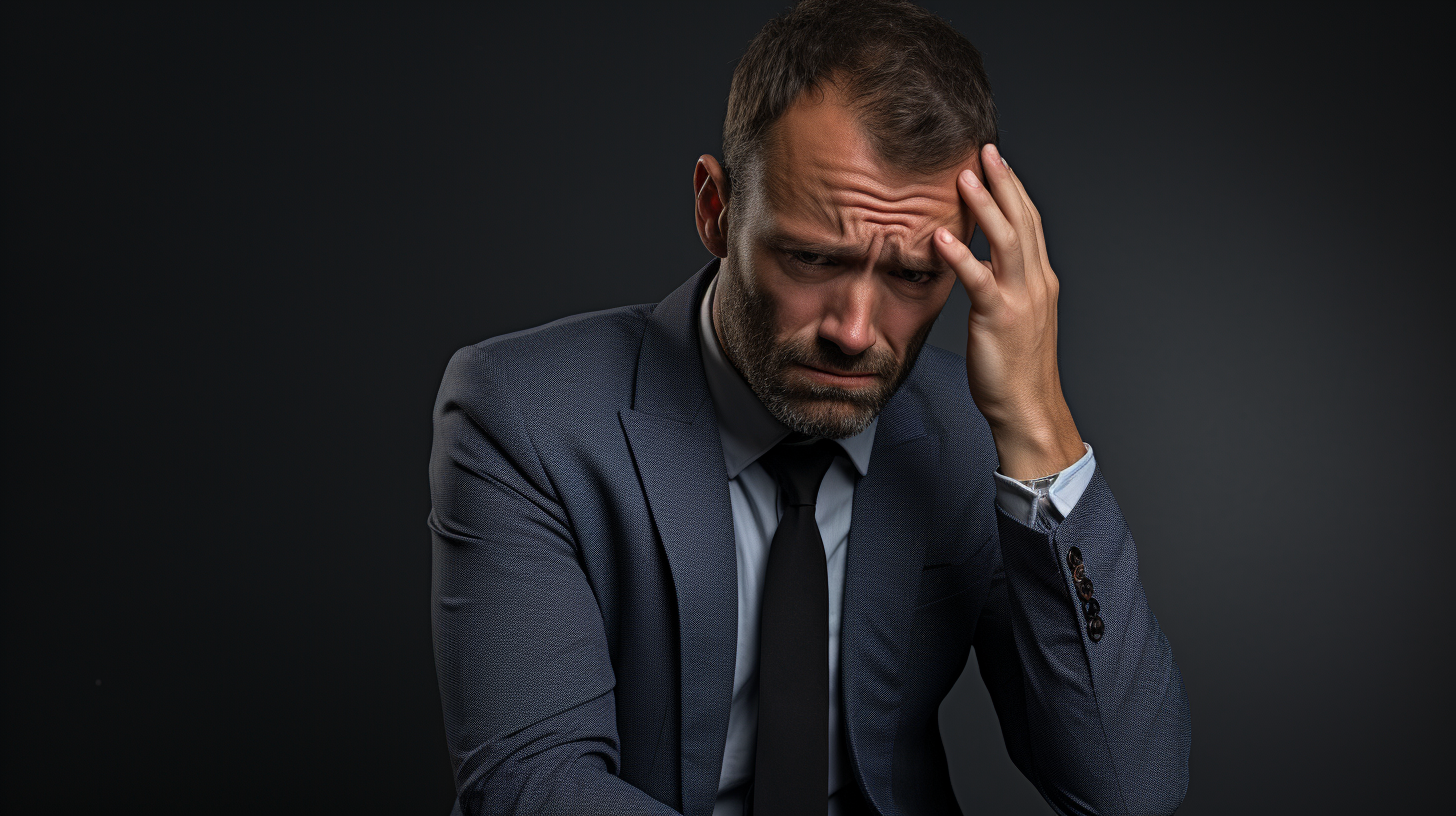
585,594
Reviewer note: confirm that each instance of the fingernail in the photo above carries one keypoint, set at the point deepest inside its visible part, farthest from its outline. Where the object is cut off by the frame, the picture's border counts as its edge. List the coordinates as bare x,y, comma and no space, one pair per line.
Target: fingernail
944,236
1004,164
970,179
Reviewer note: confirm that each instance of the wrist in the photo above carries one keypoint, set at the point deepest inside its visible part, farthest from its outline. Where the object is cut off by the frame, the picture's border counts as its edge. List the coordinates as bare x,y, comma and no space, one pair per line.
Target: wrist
1035,448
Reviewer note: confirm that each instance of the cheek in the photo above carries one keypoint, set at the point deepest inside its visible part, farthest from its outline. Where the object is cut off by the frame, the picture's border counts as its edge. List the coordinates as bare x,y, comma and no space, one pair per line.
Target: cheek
796,308
900,324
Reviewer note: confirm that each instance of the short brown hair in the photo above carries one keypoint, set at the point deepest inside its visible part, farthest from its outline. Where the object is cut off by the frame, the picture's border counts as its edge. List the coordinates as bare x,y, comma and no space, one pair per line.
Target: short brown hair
916,83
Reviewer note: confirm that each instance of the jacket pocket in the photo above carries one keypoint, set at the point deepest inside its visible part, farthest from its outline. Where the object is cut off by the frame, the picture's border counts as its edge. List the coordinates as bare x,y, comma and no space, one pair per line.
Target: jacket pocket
940,582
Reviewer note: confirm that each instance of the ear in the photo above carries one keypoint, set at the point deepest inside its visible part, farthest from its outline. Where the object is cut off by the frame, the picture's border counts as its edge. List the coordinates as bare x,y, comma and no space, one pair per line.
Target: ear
708,208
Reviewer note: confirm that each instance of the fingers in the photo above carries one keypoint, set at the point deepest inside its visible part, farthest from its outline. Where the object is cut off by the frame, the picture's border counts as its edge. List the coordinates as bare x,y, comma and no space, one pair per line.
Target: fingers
1002,215
1011,222
1007,190
1000,233
1033,215
976,276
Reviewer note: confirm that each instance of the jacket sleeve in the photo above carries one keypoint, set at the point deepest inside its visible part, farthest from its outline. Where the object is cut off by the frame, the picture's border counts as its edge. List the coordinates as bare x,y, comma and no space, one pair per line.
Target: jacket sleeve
1099,727
526,680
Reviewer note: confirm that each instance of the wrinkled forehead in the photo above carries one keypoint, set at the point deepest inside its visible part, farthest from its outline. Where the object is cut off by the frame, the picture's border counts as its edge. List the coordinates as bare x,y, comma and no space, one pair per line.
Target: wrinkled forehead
821,177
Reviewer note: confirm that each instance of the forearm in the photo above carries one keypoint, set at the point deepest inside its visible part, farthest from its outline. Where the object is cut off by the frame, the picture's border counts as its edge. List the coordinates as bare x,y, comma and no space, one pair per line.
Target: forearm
1110,716
1036,440
527,683
565,762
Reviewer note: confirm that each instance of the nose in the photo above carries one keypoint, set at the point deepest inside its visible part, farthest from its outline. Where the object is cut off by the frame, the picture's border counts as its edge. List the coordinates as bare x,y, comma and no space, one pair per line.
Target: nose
849,317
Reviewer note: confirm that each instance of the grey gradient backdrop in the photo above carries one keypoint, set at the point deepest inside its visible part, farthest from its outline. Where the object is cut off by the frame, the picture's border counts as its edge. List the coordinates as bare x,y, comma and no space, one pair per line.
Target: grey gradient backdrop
241,245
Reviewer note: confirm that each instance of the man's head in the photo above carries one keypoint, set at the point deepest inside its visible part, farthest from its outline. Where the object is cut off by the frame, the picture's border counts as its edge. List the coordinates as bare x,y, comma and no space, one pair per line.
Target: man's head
847,124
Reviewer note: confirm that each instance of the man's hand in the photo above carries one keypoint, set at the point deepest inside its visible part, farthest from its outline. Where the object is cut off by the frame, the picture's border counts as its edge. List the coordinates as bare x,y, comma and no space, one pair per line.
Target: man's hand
1011,350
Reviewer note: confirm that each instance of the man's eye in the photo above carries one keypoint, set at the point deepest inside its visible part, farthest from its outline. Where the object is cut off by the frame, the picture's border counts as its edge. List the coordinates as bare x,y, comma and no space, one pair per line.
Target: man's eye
810,258
916,276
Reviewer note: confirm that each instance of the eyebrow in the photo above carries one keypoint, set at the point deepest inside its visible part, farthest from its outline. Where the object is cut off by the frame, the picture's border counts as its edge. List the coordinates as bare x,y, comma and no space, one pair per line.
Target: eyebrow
785,242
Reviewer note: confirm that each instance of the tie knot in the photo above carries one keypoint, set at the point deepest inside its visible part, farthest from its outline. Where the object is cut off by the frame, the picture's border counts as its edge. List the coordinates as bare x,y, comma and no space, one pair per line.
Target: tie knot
799,468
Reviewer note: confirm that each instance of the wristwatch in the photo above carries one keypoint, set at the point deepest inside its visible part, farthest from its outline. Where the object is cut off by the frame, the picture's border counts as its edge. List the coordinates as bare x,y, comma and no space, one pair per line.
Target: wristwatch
1041,484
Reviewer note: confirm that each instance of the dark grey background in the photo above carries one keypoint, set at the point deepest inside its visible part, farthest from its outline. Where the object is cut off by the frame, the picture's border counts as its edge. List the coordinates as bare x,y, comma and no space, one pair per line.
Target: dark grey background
242,244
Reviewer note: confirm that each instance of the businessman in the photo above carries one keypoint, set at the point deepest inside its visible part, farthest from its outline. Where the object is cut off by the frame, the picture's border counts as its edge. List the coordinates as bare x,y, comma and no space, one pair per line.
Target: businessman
727,553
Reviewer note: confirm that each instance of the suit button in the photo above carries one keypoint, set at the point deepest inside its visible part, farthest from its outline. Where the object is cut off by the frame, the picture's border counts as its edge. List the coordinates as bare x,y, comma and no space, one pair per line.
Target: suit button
1092,609
1084,588
1079,572
1094,629
1074,557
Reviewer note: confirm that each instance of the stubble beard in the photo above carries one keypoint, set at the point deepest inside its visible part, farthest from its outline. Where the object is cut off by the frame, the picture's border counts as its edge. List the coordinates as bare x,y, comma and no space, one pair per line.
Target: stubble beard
747,325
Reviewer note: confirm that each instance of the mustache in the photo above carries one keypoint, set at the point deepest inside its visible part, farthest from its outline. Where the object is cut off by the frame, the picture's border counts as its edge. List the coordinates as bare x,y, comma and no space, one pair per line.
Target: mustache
826,355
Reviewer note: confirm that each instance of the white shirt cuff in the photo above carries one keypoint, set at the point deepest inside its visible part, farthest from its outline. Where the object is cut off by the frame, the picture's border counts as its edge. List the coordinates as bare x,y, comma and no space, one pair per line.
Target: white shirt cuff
1020,501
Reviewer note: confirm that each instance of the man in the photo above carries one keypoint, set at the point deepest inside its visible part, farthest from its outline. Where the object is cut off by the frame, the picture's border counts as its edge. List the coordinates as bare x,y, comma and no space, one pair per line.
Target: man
728,553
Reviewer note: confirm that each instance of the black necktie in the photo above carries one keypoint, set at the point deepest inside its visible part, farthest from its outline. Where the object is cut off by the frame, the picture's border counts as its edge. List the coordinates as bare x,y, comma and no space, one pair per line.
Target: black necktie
791,761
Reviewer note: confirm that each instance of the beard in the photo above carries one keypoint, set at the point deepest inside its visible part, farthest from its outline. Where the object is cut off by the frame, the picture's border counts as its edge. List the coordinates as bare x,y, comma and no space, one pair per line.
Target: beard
768,365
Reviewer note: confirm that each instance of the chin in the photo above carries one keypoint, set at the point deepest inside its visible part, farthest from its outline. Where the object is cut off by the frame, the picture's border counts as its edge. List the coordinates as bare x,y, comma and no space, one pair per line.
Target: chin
830,419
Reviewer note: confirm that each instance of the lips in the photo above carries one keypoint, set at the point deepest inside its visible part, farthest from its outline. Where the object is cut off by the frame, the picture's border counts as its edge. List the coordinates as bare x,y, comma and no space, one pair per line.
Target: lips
839,377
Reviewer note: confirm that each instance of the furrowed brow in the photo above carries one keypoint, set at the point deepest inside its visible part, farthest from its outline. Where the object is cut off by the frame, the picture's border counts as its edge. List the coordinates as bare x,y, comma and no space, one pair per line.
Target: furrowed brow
785,242
790,243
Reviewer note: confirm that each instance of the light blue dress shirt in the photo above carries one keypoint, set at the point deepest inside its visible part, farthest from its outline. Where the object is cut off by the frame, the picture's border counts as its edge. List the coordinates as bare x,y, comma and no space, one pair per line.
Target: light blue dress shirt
748,431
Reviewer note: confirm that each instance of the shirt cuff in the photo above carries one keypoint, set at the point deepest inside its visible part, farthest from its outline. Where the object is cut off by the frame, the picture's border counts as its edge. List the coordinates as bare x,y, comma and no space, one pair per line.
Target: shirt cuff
1021,502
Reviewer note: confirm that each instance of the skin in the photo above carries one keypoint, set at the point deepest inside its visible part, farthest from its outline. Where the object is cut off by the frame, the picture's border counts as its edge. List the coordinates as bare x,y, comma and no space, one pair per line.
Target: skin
835,264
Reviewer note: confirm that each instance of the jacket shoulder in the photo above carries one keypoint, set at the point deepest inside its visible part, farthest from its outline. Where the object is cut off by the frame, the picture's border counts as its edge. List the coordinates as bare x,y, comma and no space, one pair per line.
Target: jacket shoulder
584,358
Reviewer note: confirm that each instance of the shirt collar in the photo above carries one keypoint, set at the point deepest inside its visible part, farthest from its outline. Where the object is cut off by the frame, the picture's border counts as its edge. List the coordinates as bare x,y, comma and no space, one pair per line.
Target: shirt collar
746,426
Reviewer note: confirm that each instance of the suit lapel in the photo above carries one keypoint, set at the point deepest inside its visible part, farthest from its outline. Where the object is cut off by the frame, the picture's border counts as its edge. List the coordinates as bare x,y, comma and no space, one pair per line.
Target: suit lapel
892,507
672,432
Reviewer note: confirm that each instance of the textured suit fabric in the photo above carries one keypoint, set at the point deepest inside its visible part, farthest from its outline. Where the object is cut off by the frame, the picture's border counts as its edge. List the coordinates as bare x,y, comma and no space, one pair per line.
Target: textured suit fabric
584,593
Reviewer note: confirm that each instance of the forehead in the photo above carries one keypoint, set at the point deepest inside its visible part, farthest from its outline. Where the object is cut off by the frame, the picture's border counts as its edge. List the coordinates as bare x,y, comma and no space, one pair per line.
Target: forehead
823,180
